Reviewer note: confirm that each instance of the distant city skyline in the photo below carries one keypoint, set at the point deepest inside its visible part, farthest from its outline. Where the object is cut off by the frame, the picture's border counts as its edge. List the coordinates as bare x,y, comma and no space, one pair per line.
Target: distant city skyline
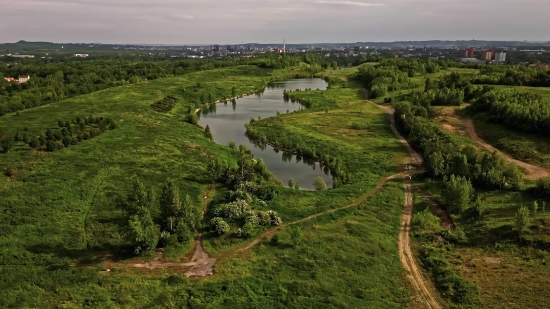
179,22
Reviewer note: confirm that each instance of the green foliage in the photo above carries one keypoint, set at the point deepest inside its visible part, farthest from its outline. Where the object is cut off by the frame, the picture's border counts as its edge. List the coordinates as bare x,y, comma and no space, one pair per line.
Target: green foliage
519,110
143,234
275,239
6,144
319,184
426,219
192,118
296,236
462,293
457,193
522,220
165,105
208,134
291,183
480,207
219,226
543,187
444,156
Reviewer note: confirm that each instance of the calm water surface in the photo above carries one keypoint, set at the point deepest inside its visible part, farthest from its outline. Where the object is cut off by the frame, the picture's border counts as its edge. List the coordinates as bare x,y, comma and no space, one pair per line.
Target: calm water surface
227,122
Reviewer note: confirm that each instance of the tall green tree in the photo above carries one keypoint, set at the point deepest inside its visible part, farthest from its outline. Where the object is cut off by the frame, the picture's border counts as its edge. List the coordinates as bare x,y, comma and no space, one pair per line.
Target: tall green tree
170,205
457,193
143,234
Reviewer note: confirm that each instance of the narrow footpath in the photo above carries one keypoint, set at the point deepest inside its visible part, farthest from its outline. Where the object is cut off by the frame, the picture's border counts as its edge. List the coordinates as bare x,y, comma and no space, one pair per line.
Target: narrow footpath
408,261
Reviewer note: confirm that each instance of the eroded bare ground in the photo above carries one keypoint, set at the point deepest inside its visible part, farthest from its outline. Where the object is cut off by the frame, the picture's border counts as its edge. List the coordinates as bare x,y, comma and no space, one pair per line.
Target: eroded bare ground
202,263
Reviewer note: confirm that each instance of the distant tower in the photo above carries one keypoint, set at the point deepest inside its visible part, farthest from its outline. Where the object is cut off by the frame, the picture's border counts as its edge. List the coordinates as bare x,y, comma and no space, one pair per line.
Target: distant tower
284,46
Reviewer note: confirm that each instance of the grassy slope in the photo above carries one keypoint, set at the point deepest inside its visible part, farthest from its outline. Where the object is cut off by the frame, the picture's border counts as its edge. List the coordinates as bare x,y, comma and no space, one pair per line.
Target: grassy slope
62,203
509,274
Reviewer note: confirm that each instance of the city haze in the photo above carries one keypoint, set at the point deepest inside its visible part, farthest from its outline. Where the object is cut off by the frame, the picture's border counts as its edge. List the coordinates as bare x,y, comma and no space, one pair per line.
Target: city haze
268,21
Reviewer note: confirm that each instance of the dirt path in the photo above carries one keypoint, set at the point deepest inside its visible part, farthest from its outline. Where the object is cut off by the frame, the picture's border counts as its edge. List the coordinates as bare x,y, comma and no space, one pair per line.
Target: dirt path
414,274
533,172
270,232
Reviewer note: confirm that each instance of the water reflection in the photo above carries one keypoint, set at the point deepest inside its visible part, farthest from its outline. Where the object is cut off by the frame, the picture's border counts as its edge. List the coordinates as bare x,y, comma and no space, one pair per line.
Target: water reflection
227,124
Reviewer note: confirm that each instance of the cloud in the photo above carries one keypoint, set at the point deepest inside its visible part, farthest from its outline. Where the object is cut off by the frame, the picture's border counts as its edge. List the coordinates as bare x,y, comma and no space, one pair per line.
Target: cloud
349,3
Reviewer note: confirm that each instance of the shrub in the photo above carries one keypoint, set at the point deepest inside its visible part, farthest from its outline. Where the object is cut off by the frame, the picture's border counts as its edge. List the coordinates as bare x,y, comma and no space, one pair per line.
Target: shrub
426,219
319,184
219,226
275,239
543,187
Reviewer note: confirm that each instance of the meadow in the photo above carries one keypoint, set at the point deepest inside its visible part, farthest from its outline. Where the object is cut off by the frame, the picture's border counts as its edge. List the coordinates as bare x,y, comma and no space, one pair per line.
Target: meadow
62,223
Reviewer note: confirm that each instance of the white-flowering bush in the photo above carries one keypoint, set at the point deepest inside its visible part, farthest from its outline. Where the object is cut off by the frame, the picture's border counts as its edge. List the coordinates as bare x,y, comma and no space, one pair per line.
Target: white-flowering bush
219,226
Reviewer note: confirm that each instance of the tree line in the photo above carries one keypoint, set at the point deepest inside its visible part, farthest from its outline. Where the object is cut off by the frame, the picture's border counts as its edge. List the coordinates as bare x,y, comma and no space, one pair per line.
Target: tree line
68,133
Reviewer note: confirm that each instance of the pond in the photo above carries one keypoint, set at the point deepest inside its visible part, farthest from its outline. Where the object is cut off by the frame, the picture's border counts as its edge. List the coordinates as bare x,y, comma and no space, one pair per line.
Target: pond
227,120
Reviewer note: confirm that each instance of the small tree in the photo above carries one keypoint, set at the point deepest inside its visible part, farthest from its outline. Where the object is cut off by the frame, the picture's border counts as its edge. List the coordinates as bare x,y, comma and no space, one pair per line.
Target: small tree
232,145
143,234
535,208
457,193
170,205
6,144
50,146
233,92
207,133
296,236
275,239
319,184
296,186
34,143
479,206
522,219
291,183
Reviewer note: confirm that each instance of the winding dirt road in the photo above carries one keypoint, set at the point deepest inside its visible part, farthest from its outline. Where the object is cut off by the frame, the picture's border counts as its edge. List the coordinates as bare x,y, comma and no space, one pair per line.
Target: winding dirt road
534,172
408,261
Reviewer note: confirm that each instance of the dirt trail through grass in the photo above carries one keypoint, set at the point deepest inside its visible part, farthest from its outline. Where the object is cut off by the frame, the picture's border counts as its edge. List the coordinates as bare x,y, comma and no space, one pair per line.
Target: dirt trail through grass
270,232
534,172
414,273
406,256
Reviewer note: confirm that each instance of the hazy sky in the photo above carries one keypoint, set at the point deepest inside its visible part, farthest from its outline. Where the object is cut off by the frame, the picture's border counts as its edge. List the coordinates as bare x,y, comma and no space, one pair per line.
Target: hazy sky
269,21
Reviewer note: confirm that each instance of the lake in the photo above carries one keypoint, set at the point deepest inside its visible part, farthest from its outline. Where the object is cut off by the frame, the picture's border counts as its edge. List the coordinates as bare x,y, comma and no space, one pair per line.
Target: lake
227,120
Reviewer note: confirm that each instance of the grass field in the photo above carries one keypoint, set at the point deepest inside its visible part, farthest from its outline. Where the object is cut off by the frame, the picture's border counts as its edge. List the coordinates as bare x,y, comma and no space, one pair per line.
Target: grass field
508,272
59,215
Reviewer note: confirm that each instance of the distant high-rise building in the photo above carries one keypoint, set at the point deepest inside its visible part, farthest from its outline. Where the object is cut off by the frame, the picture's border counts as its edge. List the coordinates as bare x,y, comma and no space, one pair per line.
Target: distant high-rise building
500,57
488,54
468,53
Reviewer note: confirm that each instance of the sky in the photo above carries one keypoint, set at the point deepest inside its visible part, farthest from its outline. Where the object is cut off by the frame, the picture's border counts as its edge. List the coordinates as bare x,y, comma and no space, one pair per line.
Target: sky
269,21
